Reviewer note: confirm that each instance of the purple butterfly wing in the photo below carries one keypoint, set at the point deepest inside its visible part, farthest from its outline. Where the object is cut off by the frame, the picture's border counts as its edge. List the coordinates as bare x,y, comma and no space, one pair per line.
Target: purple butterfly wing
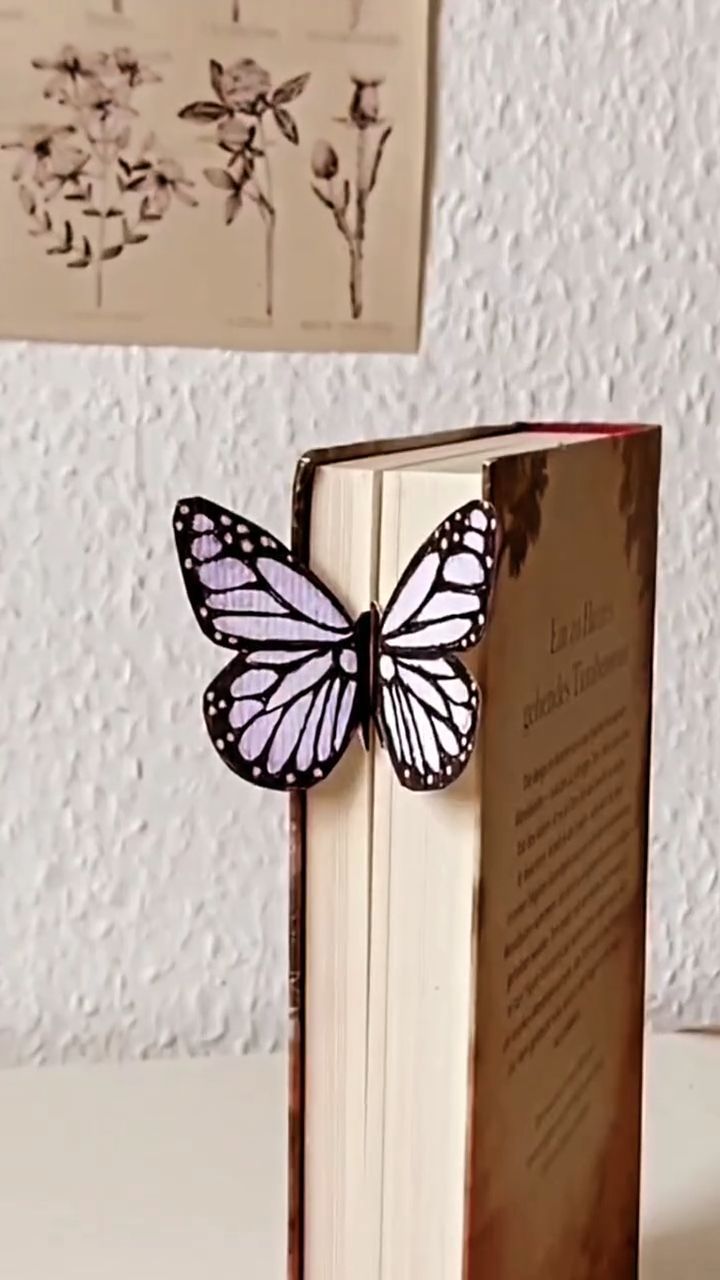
427,701
246,589
283,718
283,711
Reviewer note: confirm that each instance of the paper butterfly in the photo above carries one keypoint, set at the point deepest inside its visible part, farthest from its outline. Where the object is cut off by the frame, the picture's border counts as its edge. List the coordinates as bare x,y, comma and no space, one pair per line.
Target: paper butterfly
306,677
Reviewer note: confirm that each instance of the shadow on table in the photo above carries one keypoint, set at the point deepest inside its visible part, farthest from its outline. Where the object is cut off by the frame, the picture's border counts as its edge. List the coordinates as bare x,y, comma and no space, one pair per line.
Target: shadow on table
690,1252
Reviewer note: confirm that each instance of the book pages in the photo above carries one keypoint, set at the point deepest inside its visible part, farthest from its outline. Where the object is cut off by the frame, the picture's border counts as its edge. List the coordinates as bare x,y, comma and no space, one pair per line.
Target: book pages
241,173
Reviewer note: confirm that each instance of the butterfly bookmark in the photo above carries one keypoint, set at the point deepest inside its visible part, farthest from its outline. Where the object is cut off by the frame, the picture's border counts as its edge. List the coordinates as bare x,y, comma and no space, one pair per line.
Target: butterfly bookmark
306,677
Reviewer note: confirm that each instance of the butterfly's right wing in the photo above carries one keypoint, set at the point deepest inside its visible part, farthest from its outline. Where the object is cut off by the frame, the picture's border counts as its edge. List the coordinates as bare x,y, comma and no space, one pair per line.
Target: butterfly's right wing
427,701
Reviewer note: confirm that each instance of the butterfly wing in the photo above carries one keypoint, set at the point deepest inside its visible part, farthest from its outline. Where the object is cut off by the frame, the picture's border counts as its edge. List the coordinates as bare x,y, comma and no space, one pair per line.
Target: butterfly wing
427,701
282,712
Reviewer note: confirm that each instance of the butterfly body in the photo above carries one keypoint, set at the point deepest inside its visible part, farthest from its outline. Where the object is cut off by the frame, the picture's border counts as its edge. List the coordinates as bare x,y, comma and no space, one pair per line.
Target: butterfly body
305,678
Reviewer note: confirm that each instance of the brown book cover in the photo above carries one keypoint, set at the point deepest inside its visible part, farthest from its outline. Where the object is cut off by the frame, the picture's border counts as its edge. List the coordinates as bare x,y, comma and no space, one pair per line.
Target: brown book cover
555,1068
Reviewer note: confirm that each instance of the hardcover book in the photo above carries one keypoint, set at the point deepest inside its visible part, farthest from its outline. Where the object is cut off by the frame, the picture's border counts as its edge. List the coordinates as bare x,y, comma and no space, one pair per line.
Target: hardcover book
467,963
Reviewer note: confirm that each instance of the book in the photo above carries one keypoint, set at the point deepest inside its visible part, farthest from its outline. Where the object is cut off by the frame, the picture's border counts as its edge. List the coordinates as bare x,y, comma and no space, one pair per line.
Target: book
467,966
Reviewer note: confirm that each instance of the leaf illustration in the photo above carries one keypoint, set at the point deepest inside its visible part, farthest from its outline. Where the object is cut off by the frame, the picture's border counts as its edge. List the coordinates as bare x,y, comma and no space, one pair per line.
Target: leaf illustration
125,166
132,237
321,196
220,178
378,157
147,213
346,195
233,205
286,124
216,75
290,89
204,112
27,200
113,251
135,184
91,213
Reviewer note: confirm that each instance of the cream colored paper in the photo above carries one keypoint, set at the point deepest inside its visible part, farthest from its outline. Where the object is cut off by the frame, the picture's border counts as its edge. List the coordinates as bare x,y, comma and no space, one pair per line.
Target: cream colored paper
209,231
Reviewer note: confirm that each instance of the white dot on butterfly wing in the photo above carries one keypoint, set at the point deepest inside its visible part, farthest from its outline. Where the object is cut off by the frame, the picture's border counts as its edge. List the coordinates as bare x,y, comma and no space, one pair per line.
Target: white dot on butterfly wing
179,524
406,773
210,695
290,777
267,542
317,773
203,612
256,772
184,510
230,737
212,711
430,779
488,561
444,544
225,520
188,563
246,545
220,743
387,667
229,537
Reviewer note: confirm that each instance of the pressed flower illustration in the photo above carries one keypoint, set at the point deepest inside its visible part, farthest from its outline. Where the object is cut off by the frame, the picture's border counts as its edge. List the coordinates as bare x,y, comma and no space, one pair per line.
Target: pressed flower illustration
244,101
112,189
347,199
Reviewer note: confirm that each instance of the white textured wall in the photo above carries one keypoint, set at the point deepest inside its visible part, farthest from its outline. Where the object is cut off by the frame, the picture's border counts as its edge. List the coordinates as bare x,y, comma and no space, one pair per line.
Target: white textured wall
573,273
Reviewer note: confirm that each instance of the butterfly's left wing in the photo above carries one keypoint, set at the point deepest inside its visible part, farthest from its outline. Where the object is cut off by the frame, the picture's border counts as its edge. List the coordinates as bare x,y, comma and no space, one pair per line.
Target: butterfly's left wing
283,711
427,701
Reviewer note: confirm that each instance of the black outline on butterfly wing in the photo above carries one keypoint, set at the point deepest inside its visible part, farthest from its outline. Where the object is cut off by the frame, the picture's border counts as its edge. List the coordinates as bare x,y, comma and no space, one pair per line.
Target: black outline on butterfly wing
427,702
328,652
207,535
232,707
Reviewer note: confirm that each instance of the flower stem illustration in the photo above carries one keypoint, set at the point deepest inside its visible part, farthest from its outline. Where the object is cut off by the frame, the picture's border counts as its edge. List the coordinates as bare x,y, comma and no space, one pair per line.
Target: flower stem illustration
356,8
235,11
89,190
118,7
346,200
245,101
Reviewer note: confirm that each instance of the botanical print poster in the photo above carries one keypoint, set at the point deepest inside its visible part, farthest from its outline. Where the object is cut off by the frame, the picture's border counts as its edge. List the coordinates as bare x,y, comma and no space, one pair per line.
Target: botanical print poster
232,173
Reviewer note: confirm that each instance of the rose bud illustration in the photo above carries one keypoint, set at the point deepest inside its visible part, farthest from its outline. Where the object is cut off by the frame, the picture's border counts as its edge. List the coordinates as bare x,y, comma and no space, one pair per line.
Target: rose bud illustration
324,160
365,104
346,200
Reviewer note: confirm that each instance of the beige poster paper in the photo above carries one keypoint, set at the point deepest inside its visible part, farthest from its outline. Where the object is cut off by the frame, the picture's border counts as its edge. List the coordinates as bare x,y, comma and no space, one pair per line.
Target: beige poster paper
231,173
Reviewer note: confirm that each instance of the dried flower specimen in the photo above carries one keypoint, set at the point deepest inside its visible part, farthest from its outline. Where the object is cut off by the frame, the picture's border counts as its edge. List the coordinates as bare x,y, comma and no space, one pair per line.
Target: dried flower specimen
87,188
348,200
244,99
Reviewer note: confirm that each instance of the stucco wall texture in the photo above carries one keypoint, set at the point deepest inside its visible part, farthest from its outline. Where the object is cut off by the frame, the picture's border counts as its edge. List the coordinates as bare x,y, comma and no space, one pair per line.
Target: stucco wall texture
573,273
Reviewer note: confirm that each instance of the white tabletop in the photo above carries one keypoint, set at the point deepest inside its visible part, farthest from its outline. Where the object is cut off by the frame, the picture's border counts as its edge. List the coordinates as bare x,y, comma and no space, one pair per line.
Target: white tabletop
174,1171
